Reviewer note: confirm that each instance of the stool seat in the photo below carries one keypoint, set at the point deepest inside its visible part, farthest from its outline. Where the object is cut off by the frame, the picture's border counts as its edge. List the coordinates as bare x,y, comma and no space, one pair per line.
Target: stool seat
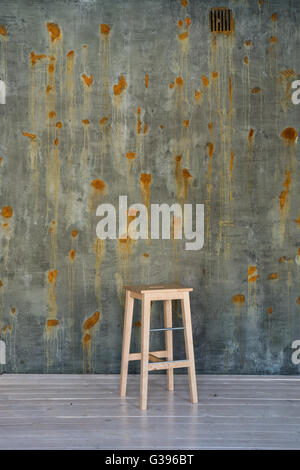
147,294
158,287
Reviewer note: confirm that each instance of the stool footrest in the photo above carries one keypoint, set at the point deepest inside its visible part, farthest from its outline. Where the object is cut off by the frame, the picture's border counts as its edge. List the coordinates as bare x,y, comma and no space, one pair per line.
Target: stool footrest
137,356
167,329
169,364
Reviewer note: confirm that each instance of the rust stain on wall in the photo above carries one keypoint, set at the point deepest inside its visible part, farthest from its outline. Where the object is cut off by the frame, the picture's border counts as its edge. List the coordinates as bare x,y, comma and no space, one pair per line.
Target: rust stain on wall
54,31
186,179
252,278
99,250
145,181
120,86
88,345
70,83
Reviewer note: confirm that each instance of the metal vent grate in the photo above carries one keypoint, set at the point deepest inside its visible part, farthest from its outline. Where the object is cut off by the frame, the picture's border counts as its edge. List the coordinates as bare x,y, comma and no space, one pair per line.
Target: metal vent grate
221,20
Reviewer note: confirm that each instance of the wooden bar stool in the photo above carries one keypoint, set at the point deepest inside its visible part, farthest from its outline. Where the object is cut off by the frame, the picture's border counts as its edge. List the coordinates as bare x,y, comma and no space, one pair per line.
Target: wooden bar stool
147,294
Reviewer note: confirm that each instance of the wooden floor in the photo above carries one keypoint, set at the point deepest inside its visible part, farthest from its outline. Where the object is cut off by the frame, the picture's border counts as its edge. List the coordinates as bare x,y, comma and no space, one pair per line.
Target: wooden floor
86,412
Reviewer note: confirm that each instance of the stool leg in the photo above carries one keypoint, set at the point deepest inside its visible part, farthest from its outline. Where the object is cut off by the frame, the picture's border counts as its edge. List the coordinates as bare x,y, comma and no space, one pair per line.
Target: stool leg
169,341
129,302
188,339
146,306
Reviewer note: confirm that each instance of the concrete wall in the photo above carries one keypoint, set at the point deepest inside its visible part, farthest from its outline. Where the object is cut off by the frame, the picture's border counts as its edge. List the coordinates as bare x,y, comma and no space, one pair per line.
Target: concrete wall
90,110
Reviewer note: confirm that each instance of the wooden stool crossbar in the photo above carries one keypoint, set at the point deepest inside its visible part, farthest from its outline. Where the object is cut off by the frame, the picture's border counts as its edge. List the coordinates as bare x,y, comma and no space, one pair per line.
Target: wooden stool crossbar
159,360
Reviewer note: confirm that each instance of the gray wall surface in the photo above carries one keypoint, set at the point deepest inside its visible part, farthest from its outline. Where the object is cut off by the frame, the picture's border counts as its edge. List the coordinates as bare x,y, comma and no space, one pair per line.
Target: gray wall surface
137,97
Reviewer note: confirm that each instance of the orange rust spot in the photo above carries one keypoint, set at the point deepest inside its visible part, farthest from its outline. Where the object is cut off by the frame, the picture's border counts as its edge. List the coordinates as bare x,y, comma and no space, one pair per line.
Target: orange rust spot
52,322
186,123
146,255
59,125
270,310
56,141
282,259
9,327
284,193
86,339
238,299
171,85
197,94
215,75
91,321
248,43
179,81
50,68
3,30
13,310
183,36
252,273
103,120
289,134
187,20
30,136
210,149
298,300
246,60
298,220
52,114
145,128
54,31
146,80
273,39
184,3
130,155
70,54
7,212
85,122
139,110
99,185
139,126
210,126
205,80
138,324
48,89
255,90
74,233
231,161
186,174
121,85
251,134
288,73
36,57
180,23
72,254
1,283
260,2
161,126
88,80
273,276
4,225
104,29
52,276
274,17
146,179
